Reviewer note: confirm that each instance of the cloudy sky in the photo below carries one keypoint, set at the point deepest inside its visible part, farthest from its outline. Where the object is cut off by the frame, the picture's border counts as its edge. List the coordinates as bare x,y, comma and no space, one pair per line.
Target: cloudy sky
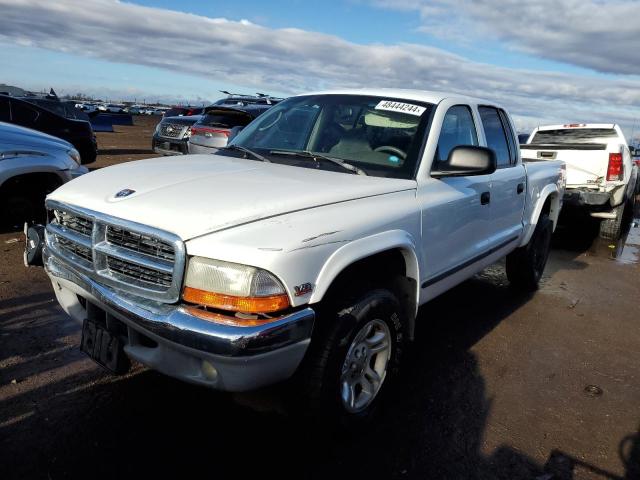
549,61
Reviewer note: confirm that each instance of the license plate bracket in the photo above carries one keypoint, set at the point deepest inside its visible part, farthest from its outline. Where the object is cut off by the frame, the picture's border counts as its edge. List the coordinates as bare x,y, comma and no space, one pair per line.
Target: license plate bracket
104,347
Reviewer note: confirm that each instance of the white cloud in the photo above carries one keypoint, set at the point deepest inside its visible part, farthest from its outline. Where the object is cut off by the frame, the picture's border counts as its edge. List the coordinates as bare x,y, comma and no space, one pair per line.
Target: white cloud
600,35
294,60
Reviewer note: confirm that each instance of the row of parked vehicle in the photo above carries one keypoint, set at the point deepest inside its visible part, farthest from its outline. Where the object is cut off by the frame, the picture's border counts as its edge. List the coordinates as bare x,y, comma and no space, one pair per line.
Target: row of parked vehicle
121,108
203,130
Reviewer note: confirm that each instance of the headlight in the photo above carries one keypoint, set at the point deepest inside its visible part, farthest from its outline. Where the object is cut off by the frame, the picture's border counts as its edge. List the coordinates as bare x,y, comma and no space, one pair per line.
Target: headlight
75,156
231,286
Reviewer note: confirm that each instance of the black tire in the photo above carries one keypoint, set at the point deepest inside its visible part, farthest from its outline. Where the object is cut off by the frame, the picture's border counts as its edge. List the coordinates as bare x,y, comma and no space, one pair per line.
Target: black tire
611,228
320,377
19,208
525,265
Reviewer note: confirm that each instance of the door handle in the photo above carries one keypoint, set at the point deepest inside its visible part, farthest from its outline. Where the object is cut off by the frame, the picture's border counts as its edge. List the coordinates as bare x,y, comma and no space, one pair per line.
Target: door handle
485,197
520,188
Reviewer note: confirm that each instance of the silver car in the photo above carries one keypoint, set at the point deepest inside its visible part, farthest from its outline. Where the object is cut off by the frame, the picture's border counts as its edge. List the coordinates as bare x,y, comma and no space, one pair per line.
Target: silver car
219,123
32,164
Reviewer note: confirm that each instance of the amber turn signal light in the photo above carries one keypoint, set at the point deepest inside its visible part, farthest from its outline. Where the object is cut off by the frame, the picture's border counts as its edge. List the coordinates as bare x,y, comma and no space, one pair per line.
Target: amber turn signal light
236,304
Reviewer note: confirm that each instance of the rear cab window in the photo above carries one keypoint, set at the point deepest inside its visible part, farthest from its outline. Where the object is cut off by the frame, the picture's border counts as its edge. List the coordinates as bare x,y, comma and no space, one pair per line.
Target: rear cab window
568,136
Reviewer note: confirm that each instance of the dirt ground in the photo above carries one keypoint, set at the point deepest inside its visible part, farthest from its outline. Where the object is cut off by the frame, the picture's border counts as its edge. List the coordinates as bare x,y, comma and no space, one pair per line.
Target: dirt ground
125,144
497,384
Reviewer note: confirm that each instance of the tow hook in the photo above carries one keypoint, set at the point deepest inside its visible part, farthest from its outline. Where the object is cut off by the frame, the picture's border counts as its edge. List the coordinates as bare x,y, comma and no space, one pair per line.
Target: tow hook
34,241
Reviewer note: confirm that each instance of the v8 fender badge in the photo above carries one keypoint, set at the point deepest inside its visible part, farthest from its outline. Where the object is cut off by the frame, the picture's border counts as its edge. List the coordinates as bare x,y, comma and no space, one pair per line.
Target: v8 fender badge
303,289
124,193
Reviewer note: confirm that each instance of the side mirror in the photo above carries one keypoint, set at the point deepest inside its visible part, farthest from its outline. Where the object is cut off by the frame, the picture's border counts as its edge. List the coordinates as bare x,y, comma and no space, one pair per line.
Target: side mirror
233,133
468,160
633,151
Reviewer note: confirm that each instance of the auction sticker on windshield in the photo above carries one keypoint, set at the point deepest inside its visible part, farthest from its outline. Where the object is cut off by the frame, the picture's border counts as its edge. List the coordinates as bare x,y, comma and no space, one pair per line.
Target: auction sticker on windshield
392,106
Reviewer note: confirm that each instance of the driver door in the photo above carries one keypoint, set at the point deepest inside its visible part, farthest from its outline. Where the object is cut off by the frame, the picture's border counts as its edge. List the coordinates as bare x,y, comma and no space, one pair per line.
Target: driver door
455,210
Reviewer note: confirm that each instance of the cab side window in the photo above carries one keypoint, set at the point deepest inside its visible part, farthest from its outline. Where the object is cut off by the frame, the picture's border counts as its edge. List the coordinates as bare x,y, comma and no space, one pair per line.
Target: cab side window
496,135
458,129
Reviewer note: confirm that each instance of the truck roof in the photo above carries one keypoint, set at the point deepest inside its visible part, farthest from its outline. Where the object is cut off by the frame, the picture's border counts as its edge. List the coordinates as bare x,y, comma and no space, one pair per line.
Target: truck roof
407,94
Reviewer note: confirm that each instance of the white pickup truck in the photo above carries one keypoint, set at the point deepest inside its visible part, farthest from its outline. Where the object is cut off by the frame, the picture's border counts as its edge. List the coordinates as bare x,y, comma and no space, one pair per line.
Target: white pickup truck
305,247
601,174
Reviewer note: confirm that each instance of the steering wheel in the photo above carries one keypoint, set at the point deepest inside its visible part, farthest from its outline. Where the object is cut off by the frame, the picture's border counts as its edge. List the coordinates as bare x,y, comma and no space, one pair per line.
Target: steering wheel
391,149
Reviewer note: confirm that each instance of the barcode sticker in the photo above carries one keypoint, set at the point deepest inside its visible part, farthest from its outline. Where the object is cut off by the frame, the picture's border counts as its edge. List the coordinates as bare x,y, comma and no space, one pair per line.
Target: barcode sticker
408,108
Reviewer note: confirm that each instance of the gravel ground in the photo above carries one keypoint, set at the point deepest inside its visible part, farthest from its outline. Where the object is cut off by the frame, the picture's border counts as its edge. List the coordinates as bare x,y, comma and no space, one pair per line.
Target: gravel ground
497,385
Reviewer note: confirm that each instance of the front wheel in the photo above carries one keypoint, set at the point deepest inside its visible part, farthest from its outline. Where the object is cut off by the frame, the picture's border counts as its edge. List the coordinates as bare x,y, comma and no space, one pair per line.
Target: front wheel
351,364
525,265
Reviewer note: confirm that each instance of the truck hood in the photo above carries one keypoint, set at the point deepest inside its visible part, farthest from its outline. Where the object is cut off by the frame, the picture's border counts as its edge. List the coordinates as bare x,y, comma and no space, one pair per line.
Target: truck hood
198,194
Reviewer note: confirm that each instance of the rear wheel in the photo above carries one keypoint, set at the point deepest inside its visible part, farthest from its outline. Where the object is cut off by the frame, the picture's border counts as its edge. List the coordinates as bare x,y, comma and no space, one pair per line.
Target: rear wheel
525,265
611,228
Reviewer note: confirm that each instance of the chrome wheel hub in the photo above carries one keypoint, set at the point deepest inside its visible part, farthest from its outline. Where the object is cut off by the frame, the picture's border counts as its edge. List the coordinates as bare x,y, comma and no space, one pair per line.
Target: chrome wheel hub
365,366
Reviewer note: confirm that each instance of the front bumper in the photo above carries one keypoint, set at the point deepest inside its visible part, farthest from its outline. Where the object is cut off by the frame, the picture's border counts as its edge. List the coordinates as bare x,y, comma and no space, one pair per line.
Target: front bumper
169,339
170,146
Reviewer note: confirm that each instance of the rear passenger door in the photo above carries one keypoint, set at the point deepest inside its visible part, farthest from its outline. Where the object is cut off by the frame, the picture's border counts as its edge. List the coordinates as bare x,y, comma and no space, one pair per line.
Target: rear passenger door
508,182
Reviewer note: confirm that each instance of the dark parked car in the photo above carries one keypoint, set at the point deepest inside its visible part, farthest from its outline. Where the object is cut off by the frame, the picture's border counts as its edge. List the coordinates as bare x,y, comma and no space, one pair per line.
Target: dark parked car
172,134
219,123
27,114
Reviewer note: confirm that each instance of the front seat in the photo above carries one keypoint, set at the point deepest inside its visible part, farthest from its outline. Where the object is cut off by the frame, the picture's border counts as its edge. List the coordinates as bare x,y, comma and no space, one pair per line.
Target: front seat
353,141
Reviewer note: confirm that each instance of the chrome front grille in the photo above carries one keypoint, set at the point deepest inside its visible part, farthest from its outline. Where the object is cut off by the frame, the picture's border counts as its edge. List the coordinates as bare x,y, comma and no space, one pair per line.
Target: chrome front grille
138,242
136,258
73,222
76,249
172,130
138,272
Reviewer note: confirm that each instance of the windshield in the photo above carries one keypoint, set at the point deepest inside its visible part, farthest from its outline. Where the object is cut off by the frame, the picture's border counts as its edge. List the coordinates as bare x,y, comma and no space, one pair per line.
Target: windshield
382,136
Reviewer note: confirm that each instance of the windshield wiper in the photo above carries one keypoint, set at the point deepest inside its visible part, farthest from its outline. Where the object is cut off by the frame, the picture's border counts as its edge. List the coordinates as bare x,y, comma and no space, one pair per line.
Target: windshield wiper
316,156
247,151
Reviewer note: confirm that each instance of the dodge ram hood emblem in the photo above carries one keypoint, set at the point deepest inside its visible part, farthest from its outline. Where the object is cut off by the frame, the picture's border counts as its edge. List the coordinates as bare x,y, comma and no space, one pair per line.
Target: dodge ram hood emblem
124,193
